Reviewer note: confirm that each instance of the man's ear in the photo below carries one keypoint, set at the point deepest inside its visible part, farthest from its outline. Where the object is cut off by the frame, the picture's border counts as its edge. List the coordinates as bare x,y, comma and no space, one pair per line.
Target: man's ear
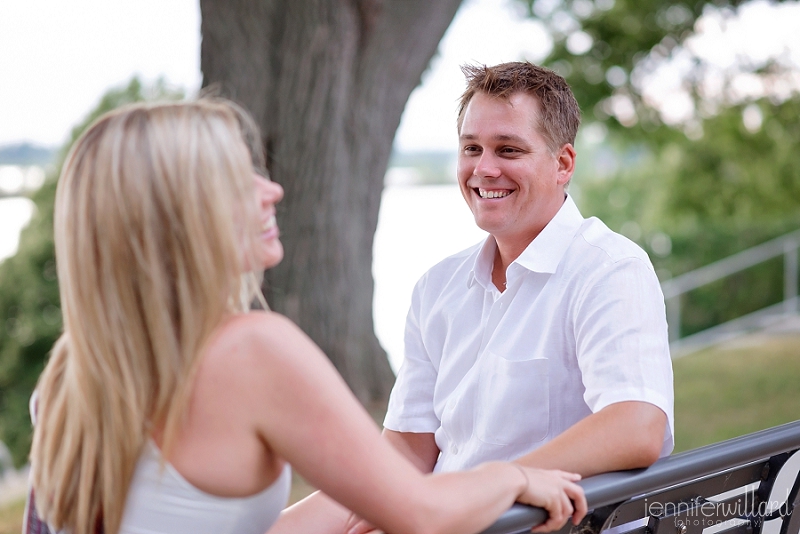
566,163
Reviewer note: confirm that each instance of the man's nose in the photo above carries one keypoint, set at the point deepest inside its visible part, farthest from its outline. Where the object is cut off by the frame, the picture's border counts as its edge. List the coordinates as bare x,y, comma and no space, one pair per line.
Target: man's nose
487,165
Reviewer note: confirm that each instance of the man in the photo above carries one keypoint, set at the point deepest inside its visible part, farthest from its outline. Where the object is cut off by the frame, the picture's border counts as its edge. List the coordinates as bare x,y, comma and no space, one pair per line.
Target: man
547,343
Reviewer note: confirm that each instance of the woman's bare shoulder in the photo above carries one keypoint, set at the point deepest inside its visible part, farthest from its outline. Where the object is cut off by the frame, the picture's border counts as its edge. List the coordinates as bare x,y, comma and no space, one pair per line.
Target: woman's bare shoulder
258,337
257,326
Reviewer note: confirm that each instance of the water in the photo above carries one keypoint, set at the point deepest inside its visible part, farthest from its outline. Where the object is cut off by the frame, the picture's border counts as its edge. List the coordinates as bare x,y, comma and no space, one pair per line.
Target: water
15,213
417,227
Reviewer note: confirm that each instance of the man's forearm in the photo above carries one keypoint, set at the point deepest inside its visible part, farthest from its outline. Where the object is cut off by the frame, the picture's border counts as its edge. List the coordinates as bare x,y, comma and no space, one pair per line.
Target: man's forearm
419,448
625,435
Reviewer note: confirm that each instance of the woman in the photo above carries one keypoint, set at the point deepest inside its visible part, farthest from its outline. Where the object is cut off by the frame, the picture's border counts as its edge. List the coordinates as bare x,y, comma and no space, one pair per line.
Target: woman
166,406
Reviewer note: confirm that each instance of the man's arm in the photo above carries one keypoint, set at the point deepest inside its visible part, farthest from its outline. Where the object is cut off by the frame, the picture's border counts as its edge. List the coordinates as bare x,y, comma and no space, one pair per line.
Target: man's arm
419,447
624,435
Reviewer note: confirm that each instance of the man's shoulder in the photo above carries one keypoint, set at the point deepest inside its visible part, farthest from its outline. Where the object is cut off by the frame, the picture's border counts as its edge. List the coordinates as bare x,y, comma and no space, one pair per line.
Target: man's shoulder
608,244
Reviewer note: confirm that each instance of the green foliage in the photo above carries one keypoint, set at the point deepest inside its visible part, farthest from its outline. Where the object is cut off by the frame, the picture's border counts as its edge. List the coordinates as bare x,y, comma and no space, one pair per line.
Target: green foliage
730,176
31,320
733,175
623,33
30,315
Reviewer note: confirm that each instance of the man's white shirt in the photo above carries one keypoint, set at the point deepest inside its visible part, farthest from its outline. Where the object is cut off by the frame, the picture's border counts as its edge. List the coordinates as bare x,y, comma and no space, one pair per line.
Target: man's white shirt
581,325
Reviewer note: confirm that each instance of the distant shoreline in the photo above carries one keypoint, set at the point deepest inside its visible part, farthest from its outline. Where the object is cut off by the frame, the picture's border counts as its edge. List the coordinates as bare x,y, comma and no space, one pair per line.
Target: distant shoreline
26,154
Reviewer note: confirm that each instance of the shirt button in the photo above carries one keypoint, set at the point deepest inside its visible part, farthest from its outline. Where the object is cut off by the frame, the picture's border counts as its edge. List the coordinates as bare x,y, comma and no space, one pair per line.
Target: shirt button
454,449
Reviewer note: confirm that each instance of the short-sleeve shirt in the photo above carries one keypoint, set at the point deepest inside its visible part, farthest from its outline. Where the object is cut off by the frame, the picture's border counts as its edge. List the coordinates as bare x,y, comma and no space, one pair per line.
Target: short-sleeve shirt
494,375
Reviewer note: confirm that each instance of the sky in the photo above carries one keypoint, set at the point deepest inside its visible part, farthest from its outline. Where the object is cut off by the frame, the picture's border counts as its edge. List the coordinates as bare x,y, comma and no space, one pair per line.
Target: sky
58,58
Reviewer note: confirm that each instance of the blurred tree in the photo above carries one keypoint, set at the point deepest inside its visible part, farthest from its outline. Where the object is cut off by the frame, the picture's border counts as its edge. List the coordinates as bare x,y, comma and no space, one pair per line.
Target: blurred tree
29,300
327,81
608,51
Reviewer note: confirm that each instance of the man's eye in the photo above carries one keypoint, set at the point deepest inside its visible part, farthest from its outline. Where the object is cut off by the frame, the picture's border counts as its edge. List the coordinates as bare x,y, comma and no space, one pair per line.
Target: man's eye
508,150
471,149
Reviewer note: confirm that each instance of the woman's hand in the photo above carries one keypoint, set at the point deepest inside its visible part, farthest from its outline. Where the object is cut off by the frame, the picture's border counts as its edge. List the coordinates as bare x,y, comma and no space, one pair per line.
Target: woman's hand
556,492
356,525
553,490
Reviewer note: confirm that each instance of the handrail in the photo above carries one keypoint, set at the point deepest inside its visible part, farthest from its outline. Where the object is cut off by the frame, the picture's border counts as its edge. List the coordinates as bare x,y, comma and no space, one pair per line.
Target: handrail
787,245
730,265
617,487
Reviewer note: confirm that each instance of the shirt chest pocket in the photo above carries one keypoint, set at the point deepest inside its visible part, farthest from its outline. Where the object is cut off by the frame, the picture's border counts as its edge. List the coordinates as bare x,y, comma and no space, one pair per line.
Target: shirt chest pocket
513,402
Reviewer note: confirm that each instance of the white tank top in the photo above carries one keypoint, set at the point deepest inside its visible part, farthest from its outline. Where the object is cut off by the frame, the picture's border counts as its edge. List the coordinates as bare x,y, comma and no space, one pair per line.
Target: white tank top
161,501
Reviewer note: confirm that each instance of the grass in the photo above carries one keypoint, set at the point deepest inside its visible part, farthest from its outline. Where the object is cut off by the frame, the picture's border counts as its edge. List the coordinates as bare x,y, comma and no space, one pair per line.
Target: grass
736,389
720,393
11,517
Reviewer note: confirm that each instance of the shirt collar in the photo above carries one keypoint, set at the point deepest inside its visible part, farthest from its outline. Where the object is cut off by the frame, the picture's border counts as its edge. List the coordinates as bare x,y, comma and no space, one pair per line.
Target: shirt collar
545,252
484,261
542,255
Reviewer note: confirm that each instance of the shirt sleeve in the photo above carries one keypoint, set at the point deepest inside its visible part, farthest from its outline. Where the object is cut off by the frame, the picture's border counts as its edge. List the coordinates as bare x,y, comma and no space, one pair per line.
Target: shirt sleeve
622,342
411,401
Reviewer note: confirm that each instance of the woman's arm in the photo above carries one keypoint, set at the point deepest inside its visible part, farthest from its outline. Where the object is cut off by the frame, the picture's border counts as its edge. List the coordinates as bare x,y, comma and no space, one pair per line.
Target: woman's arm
305,412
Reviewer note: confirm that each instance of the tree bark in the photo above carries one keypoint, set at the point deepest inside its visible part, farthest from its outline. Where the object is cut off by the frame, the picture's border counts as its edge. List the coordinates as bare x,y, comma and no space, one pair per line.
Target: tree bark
327,80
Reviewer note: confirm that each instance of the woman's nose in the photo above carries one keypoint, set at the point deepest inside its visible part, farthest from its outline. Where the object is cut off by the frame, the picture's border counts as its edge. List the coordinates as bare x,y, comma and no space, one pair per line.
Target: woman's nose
274,192
269,192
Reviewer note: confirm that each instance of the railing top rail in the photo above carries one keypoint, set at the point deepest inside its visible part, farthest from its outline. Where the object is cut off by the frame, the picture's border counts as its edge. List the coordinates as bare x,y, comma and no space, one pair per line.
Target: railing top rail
727,266
610,488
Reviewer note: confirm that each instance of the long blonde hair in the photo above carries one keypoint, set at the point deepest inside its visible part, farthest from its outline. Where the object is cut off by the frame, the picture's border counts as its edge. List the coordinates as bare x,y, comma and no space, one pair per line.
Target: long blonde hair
154,216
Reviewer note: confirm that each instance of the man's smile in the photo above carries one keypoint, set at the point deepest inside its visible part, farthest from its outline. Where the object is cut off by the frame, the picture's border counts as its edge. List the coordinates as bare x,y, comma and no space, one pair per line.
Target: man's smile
492,193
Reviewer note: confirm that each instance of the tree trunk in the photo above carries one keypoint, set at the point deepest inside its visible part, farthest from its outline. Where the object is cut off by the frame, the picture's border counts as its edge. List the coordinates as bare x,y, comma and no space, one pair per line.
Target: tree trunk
327,80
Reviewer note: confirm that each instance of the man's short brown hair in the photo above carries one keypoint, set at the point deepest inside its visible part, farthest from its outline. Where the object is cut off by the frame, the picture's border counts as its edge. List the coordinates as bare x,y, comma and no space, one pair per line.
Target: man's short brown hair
560,115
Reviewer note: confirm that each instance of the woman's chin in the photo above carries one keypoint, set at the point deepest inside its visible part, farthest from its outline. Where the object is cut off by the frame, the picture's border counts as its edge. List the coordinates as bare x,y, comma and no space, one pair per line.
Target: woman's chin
272,257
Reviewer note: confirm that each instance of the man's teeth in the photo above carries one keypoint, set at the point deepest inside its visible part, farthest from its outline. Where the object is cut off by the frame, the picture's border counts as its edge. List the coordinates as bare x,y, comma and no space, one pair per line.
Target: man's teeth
268,224
493,194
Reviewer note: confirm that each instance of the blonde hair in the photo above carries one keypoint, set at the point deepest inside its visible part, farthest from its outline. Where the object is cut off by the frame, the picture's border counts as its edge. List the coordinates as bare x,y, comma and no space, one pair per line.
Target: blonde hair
154,213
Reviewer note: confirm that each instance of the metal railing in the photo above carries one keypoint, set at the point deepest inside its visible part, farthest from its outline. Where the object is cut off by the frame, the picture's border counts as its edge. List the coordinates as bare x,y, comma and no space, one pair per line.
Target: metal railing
725,488
786,245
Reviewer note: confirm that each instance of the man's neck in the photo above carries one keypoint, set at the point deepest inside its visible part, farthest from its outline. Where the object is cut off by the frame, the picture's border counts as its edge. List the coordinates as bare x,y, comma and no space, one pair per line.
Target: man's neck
504,255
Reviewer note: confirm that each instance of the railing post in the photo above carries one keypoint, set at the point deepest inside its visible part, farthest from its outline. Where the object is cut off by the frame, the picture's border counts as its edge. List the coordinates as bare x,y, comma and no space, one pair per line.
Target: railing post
790,272
674,318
